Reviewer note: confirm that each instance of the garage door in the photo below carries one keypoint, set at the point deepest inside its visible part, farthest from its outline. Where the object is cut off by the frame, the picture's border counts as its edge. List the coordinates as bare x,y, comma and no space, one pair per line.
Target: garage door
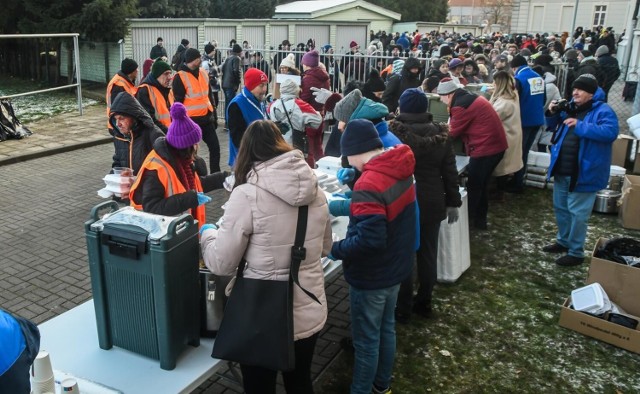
222,34
318,33
346,34
255,36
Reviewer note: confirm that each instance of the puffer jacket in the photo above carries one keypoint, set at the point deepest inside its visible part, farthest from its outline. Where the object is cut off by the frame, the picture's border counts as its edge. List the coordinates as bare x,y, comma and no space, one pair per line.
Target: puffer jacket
314,77
259,225
144,132
596,131
435,173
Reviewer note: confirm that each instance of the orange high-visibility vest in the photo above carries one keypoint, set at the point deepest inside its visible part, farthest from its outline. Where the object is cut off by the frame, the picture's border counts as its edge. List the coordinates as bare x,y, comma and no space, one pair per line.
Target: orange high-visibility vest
196,93
159,104
169,180
125,84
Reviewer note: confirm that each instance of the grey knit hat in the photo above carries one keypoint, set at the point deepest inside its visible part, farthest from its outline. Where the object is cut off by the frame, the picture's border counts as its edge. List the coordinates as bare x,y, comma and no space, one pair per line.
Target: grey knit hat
446,86
602,50
289,87
345,107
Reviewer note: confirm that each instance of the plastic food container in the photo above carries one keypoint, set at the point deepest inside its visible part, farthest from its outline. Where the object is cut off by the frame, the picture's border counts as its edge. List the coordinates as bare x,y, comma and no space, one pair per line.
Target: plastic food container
591,299
123,171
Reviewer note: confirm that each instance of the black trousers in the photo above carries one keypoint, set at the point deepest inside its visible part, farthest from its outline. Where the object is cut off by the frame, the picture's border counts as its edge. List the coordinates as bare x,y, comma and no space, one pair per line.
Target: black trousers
258,380
427,270
480,170
210,138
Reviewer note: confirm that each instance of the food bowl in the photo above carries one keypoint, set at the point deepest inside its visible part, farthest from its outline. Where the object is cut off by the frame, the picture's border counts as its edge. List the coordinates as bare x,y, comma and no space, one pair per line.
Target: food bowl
122,171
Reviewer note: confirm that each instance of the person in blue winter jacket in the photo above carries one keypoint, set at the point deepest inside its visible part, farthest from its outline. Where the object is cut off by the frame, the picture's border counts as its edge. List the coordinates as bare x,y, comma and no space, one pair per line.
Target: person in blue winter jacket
580,163
19,346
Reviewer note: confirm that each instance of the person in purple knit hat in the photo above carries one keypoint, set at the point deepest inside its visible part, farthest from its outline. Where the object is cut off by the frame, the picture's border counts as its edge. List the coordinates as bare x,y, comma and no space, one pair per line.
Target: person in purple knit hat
168,183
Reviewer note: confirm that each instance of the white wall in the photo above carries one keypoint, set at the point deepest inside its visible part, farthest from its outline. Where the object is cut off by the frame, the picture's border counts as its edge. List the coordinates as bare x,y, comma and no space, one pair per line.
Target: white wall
538,16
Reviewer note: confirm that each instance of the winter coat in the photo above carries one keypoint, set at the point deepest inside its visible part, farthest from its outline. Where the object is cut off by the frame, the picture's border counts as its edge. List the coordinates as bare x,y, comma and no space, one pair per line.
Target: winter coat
435,172
157,51
473,119
509,113
143,134
314,77
376,251
301,114
231,73
596,131
143,98
259,225
150,192
399,83
610,70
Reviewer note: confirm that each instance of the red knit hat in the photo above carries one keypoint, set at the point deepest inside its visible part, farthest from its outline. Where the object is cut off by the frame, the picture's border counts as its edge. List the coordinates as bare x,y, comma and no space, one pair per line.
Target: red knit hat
254,77
353,44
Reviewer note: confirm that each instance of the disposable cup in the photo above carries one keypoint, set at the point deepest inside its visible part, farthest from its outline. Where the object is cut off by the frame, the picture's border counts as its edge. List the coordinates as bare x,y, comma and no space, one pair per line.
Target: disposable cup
41,369
45,386
69,386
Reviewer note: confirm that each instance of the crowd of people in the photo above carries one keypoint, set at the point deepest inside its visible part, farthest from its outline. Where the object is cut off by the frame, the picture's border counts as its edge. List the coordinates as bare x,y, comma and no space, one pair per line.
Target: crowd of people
398,163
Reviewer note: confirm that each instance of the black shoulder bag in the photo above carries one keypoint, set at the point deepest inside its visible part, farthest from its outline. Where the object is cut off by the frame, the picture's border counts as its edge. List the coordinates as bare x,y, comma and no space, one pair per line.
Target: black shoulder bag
298,138
257,327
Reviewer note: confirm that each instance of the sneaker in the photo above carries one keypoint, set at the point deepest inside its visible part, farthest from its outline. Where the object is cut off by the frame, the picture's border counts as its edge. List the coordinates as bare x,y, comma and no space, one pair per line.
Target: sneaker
423,310
569,261
376,390
555,248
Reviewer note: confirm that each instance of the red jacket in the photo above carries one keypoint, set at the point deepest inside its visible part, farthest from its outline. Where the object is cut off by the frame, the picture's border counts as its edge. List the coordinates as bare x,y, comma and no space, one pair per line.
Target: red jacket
474,120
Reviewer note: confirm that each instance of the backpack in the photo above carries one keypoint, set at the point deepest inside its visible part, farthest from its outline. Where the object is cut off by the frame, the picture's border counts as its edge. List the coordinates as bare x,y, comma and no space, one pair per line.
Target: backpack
175,61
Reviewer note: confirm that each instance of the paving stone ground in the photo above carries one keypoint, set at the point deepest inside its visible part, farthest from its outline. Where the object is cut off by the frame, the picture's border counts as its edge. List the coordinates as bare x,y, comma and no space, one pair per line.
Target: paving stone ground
47,189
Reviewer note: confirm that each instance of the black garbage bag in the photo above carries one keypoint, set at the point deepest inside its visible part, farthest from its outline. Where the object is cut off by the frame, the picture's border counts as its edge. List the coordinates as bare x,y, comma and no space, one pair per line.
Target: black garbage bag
621,250
10,126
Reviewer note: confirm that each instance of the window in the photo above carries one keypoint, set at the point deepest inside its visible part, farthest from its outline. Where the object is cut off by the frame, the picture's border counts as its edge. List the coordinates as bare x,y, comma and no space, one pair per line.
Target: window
599,14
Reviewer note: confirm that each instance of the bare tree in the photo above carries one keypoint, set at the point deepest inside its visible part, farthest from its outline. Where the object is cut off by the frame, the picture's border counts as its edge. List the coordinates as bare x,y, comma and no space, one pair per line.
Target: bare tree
497,11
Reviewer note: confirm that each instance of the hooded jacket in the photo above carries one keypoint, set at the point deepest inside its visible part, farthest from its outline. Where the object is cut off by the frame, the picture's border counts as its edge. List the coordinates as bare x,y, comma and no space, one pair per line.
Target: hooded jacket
399,83
300,113
259,225
145,100
596,132
610,69
435,173
143,134
376,252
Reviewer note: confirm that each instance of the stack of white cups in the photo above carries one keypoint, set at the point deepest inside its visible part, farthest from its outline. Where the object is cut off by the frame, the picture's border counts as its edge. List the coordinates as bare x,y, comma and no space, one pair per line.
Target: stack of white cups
42,374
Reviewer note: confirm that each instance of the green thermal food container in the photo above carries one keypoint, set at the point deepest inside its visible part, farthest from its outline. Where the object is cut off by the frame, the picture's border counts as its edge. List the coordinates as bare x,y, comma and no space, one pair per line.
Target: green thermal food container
144,276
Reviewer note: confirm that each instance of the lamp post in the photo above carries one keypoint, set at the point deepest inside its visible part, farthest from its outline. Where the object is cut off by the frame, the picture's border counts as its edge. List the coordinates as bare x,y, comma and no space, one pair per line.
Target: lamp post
575,15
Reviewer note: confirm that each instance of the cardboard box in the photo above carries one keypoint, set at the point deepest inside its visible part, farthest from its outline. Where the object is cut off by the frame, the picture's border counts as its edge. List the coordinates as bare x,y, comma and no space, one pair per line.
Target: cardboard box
629,211
621,151
636,165
621,285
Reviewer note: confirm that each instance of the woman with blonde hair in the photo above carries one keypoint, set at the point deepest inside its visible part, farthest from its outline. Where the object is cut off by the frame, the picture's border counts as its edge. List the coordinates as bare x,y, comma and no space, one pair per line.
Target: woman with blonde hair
272,181
505,101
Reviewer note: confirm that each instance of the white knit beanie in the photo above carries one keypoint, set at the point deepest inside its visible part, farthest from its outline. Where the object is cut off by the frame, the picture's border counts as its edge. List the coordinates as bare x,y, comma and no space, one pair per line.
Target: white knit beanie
289,61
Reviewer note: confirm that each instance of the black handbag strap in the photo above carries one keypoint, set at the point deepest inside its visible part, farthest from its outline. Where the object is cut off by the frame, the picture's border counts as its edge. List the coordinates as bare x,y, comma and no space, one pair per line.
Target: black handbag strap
298,252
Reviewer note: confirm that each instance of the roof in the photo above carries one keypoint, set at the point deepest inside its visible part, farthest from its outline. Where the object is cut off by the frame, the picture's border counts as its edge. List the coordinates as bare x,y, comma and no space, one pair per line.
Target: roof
315,8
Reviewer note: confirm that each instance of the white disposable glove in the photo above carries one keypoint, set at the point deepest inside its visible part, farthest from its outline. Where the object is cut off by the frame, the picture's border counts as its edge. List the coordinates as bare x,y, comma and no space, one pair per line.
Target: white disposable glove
321,95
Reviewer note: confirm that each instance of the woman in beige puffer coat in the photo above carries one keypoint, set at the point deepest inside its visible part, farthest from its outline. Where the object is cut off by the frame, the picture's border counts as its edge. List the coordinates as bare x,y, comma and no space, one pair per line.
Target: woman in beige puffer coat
259,225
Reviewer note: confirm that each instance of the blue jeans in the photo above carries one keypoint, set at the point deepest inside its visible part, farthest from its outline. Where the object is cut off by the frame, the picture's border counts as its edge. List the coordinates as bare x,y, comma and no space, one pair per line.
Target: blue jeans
373,328
572,215
229,94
